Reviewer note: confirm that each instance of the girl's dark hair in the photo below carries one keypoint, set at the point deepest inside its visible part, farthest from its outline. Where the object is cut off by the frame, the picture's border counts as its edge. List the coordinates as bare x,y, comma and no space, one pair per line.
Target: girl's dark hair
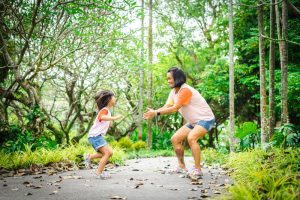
103,98
178,76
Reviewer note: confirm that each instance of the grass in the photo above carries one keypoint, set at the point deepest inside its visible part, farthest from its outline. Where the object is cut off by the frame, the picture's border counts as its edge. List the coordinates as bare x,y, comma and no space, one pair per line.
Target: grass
43,157
73,153
260,174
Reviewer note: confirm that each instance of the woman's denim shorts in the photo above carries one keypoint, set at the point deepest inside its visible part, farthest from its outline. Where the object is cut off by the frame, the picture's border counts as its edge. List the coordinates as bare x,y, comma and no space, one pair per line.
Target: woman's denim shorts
97,141
208,125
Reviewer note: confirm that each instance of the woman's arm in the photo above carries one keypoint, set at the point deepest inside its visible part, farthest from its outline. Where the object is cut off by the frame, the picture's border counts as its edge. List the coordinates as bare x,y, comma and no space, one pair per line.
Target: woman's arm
163,110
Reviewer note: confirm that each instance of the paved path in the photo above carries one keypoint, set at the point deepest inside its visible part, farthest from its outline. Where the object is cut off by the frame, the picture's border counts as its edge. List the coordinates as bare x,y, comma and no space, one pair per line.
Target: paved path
140,179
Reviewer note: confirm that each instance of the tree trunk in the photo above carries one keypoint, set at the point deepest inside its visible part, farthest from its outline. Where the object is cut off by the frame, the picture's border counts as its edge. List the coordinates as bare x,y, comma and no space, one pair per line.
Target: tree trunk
284,66
283,57
271,71
150,60
231,78
262,75
141,84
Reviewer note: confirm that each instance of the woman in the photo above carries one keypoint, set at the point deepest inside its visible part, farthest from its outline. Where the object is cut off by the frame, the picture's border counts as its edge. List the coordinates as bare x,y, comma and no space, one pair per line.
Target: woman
194,109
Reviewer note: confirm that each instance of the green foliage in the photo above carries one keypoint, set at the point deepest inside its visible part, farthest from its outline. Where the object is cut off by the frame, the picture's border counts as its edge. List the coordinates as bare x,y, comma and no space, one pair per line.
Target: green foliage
286,136
212,156
265,175
161,140
146,153
247,128
137,146
9,131
41,156
125,143
27,139
118,157
248,134
114,144
35,113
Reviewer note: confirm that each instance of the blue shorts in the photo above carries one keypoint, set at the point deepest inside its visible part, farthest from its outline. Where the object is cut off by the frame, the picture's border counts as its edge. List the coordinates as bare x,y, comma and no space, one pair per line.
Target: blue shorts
97,141
208,125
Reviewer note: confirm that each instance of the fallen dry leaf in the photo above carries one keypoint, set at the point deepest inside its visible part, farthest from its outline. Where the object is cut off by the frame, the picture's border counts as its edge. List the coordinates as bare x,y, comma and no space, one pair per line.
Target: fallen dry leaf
217,192
174,189
196,183
71,177
117,197
205,195
54,192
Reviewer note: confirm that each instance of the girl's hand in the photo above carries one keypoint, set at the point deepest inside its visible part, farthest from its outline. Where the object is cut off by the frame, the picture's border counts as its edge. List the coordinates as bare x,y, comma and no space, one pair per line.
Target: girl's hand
149,114
116,117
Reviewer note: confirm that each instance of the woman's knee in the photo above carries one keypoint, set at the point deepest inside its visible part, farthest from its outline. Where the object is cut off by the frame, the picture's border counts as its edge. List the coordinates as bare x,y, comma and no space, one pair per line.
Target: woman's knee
174,140
191,140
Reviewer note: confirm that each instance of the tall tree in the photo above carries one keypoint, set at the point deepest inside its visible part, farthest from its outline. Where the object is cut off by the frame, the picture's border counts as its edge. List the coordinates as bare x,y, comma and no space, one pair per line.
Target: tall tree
271,70
231,78
150,61
284,65
282,37
262,74
141,83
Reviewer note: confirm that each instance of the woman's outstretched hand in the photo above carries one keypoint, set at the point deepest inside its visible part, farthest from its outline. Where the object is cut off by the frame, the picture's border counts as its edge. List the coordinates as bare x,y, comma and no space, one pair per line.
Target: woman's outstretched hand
149,114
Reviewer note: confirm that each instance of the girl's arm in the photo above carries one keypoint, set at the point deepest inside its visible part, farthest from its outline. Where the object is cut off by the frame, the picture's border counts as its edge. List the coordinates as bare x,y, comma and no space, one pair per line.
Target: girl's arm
110,118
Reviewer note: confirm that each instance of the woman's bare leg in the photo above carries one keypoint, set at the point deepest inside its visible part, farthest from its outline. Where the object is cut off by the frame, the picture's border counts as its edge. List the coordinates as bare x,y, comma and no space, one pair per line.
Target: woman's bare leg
195,134
177,139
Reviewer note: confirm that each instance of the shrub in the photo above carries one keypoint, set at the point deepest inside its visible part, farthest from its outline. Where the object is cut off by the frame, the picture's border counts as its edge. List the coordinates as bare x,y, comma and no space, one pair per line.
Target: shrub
125,143
113,144
26,138
139,145
286,136
265,175
211,156
118,157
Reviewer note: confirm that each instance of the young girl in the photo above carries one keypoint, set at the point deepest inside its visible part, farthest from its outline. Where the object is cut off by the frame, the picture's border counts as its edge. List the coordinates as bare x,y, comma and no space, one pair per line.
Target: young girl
105,100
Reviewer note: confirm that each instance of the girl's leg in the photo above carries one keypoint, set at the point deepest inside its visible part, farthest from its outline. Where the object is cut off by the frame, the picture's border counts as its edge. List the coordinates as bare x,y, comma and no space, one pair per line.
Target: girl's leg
95,155
193,137
176,140
106,152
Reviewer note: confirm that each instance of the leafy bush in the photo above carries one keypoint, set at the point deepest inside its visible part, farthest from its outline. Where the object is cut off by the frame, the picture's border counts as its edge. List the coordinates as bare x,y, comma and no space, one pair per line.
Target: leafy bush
265,175
8,132
211,156
118,157
113,144
139,145
41,156
26,138
161,140
286,136
109,138
125,143
248,135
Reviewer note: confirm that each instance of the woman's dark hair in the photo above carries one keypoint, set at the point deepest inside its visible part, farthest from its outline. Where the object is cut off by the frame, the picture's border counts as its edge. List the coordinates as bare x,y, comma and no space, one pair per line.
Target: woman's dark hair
102,98
178,76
